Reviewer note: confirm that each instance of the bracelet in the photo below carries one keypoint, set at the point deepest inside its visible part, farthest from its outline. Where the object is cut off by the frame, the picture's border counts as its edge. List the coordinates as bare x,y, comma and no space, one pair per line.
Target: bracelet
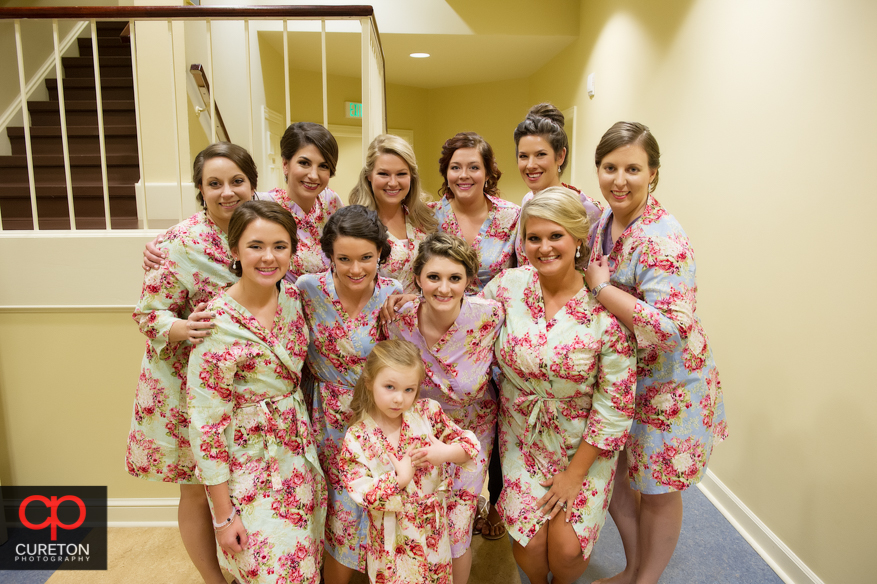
596,290
223,529
227,522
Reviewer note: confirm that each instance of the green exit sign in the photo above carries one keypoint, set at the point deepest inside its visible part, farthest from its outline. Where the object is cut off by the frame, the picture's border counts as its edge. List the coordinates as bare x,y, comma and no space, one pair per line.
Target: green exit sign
352,109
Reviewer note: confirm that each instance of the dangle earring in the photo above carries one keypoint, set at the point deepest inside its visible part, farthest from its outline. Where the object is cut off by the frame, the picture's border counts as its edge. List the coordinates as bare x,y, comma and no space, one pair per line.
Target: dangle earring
234,264
578,253
332,266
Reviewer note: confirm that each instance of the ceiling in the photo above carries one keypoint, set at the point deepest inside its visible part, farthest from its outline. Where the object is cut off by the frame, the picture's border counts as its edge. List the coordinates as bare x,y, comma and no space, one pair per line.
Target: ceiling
456,59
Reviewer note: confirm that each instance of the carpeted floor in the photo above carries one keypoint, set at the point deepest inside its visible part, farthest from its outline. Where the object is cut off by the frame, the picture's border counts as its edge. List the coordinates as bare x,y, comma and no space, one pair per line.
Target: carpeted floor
710,551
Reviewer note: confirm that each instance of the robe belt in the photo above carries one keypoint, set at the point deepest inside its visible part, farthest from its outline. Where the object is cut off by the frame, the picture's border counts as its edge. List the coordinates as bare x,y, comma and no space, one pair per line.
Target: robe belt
429,507
537,420
270,430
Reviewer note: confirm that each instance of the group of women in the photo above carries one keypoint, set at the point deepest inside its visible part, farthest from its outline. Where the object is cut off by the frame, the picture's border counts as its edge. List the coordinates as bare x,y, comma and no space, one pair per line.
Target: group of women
586,358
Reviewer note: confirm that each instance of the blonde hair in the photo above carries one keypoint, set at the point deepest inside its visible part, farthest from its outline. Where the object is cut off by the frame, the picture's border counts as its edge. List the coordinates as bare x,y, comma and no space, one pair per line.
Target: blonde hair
562,206
445,245
419,214
394,353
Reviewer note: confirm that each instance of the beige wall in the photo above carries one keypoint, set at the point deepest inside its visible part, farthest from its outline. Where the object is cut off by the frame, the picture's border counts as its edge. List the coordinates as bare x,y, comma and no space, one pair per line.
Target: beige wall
765,113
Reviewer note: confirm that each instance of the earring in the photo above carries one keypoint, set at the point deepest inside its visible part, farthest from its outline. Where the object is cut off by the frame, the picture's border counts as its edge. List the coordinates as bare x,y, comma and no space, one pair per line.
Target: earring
234,264
578,253
332,266
558,171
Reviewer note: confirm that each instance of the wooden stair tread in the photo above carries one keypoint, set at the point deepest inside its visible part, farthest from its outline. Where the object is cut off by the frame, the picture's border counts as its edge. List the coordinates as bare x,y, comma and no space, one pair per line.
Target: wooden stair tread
81,105
89,61
55,132
76,160
85,82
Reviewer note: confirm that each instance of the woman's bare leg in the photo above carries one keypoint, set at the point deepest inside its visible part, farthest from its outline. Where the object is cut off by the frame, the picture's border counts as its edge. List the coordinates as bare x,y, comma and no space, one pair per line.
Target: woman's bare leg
565,559
196,529
624,509
660,521
334,572
461,567
533,559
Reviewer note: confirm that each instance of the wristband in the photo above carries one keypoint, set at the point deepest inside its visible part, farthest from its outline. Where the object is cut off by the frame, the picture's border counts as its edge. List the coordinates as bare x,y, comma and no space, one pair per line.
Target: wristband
596,290
227,522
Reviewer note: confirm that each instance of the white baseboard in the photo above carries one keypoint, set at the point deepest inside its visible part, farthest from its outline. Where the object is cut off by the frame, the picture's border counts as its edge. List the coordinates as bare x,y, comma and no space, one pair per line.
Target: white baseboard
778,556
142,512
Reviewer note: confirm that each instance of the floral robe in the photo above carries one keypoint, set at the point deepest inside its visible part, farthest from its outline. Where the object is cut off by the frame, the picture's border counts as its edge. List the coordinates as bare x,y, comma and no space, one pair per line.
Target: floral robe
337,351
565,380
593,207
250,427
458,369
407,528
196,271
679,408
494,243
309,258
402,252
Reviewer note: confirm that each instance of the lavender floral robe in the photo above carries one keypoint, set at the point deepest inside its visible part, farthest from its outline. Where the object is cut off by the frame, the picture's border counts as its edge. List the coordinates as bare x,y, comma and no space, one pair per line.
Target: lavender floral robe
309,258
457,372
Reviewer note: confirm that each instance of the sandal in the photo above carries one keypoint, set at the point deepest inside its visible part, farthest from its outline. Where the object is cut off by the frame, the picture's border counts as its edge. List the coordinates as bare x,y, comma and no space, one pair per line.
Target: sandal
493,526
481,507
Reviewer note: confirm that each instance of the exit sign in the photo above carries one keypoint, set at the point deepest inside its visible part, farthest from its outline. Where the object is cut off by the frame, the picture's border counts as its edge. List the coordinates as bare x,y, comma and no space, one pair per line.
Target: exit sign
352,109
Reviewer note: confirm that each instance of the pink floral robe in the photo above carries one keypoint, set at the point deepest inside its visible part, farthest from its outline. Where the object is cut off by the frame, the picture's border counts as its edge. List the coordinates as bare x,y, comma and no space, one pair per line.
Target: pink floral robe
567,379
593,207
458,369
309,258
680,414
337,351
495,241
196,271
250,428
408,538
402,252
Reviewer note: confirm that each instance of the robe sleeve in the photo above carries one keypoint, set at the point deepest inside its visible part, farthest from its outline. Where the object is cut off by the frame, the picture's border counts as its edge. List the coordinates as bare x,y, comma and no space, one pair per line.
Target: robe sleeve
376,491
446,430
612,404
210,389
164,298
665,277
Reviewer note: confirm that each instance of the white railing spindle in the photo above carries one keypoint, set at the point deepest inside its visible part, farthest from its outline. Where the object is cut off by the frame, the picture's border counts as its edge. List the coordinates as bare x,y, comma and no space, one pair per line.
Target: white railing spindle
170,30
26,120
286,71
134,72
325,76
211,76
249,85
62,108
100,122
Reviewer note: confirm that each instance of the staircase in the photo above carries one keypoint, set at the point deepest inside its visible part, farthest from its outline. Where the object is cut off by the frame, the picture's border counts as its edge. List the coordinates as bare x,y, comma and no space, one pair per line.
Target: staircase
120,138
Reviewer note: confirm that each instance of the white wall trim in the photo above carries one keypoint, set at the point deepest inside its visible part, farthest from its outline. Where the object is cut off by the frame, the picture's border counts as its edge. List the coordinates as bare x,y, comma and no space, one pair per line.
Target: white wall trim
778,556
152,512
47,67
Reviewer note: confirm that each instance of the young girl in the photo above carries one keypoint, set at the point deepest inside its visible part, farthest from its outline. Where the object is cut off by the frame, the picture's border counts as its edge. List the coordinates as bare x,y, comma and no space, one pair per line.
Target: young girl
394,463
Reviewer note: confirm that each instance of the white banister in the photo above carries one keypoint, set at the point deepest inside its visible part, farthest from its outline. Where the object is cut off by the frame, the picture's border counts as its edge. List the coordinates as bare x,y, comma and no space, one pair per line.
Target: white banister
170,30
286,71
26,119
211,76
134,75
249,85
62,109
100,123
325,75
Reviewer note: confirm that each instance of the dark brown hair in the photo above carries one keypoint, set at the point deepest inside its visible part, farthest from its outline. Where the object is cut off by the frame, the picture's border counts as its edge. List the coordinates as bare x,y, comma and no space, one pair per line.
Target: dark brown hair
624,134
249,212
546,121
233,152
445,245
301,134
359,222
470,140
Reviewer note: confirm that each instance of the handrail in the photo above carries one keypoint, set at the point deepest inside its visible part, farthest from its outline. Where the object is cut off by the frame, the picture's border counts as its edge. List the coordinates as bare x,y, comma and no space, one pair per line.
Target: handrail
200,76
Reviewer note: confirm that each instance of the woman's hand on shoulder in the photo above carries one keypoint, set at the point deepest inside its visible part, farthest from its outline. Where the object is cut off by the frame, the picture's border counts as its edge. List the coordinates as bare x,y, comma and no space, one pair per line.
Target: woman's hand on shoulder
597,272
195,328
393,303
153,257
233,538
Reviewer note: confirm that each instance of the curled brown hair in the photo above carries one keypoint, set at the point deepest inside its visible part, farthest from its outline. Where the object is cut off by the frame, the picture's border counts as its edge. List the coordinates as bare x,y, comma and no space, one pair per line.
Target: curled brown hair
624,134
235,153
470,140
301,134
249,212
546,121
395,353
445,245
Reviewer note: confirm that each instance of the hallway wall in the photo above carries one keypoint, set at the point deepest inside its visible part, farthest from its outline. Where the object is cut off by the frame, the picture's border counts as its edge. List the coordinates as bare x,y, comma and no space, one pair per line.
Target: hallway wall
765,116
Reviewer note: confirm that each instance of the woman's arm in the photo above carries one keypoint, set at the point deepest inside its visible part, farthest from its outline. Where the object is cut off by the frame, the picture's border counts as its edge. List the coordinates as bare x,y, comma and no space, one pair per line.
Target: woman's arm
233,537
565,485
154,256
381,492
616,301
